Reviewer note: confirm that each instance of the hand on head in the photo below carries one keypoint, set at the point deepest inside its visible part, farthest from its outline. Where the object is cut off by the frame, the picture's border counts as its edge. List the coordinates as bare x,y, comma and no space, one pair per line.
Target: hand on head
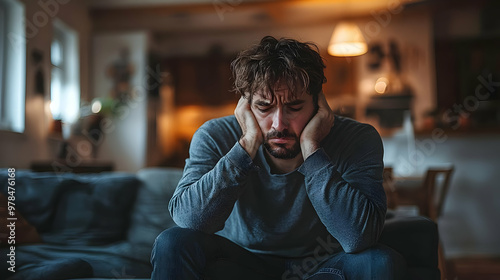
252,137
318,127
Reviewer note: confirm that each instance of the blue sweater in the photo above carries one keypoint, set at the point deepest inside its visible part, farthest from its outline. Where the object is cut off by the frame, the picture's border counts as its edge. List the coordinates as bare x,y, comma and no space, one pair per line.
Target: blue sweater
337,192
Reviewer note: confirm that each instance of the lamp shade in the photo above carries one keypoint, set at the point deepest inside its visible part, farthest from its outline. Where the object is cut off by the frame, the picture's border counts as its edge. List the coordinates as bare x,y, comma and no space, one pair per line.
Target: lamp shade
347,40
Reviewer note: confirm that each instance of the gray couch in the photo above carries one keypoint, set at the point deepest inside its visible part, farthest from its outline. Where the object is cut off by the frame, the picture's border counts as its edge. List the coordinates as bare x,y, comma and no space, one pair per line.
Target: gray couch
102,226
90,225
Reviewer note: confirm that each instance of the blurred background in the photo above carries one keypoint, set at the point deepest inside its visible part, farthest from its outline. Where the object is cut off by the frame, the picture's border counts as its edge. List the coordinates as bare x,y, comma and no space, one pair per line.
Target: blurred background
123,84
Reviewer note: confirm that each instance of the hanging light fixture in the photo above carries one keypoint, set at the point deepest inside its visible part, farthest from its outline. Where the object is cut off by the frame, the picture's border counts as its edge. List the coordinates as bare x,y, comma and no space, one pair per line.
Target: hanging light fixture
347,40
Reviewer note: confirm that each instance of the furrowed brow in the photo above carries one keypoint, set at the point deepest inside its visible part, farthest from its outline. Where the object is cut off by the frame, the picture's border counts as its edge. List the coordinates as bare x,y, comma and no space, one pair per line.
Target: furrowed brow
295,102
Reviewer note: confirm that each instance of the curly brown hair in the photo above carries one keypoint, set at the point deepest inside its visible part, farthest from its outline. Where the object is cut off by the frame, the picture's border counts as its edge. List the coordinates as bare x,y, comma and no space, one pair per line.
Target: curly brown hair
274,62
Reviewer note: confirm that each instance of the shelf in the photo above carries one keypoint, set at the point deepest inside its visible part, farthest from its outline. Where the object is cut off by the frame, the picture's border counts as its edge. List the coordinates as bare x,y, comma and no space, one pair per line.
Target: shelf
62,166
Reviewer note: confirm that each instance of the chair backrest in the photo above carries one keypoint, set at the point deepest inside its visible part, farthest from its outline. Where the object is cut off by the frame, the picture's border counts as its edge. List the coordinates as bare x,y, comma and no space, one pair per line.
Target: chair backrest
437,183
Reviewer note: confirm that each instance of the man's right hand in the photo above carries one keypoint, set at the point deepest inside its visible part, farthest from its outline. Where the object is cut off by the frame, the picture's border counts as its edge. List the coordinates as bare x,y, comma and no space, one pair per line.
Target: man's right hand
252,137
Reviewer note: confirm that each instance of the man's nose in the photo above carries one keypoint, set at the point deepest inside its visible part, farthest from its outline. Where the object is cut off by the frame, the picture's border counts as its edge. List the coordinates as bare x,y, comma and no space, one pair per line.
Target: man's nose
280,121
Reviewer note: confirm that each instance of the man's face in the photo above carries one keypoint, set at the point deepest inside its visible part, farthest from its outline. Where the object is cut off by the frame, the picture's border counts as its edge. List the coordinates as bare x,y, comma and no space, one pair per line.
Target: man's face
282,120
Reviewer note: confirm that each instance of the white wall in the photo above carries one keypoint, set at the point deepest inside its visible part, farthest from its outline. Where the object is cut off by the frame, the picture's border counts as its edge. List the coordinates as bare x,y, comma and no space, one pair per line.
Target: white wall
124,135
412,31
20,149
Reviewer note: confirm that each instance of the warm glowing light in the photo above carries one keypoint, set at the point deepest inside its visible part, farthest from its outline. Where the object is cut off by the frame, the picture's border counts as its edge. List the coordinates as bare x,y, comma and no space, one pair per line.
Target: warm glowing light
53,107
347,40
381,85
96,106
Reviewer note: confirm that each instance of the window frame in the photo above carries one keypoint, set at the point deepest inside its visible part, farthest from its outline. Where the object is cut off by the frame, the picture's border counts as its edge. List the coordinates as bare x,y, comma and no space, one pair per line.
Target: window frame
58,35
69,68
13,52
3,30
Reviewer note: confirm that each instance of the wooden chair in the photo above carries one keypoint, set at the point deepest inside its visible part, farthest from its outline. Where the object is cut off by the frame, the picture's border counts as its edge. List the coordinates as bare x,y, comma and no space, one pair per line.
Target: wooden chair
429,196
428,193
436,189
432,205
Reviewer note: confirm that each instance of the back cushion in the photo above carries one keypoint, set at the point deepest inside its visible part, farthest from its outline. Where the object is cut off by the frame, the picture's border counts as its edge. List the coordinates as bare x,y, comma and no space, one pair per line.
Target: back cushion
150,215
93,209
24,232
75,209
35,196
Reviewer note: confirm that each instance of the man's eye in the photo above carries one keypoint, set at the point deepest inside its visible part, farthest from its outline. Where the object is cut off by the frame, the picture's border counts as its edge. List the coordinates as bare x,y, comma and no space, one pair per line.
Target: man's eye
295,109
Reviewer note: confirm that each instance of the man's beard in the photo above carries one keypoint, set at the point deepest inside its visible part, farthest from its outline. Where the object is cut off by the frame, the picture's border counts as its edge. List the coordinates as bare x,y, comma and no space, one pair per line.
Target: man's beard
280,150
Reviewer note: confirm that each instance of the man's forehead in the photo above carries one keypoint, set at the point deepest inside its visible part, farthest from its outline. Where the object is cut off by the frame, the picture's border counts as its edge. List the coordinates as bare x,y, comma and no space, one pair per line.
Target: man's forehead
282,94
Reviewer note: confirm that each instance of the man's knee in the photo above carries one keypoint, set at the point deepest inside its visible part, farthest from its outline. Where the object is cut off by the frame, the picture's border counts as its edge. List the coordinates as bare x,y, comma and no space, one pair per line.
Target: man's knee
378,262
175,241
385,263
179,253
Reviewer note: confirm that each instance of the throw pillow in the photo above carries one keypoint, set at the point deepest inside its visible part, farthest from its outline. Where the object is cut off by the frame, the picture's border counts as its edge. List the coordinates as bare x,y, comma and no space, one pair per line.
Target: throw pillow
93,209
36,195
24,232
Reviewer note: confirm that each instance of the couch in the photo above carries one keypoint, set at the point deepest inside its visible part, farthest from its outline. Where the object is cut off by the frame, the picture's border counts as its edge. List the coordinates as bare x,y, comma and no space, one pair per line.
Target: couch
102,226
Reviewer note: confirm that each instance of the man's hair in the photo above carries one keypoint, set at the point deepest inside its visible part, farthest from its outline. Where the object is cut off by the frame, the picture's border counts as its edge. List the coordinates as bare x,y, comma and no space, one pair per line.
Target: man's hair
273,62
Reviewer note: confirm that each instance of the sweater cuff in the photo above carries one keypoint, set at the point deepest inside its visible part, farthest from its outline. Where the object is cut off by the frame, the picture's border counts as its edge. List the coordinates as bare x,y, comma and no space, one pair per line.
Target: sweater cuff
318,160
240,158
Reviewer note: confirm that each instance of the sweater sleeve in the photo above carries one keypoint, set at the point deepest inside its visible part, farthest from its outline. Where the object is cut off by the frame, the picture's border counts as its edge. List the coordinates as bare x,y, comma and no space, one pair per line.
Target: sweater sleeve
351,205
212,181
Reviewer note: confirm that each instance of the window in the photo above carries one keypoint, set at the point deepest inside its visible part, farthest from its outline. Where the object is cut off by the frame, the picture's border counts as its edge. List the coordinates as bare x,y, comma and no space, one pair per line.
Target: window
2,38
13,58
65,82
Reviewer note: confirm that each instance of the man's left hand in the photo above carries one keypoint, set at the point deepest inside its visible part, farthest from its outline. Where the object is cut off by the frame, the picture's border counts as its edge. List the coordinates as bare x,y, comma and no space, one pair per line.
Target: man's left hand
317,128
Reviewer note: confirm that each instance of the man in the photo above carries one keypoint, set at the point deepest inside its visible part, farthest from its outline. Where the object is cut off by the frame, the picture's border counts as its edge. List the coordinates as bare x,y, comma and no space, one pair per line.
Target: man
284,189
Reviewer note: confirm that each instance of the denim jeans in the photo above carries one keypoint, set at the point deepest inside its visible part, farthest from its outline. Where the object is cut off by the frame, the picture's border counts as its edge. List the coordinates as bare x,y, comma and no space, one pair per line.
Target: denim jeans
185,254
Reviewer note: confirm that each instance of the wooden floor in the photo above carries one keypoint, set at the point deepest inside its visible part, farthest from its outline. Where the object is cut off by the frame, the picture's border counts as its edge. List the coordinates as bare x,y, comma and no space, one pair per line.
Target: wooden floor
474,268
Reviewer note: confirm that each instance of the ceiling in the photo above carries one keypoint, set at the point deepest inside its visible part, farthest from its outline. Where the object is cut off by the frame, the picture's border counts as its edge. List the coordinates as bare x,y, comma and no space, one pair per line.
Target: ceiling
181,16
135,3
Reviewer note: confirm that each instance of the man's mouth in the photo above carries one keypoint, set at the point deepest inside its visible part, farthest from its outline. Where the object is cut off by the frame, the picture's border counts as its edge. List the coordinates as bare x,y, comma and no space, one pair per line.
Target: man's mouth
281,140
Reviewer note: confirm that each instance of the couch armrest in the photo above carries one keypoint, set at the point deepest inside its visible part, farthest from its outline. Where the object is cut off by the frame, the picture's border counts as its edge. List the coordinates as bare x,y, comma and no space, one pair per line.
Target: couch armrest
414,237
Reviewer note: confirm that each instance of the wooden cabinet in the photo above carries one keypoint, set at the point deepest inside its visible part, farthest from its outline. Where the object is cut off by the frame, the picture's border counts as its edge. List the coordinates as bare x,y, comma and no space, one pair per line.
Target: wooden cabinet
202,81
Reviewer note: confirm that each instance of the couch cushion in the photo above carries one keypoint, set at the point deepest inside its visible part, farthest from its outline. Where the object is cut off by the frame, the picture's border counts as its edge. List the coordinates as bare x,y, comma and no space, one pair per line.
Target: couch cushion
76,209
93,209
150,215
113,261
24,232
29,189
414,237
62,269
